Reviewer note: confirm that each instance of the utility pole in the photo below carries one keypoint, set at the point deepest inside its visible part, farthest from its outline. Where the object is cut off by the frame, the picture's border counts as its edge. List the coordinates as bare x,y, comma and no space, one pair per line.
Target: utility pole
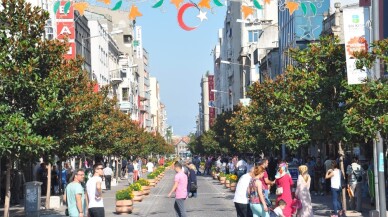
379,140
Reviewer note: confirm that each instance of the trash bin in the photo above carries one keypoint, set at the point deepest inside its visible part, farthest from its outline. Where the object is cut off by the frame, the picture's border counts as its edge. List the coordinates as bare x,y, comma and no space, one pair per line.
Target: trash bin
32,198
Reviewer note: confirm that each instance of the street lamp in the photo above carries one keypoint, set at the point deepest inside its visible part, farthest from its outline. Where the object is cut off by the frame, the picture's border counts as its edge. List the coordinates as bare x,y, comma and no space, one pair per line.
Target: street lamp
117,32
220,91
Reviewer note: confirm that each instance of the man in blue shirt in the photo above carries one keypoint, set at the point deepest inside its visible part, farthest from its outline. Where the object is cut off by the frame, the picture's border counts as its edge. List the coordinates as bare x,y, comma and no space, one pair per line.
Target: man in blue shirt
75,195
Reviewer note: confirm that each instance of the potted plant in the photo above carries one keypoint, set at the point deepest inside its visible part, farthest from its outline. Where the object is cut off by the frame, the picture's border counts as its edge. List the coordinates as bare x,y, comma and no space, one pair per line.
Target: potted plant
136,191
227,180
233,182
145,186
151,179
124,202
222,178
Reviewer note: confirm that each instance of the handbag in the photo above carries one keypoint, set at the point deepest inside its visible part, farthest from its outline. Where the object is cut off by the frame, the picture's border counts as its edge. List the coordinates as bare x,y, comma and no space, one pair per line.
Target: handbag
279,190
67,212
193,187
297,204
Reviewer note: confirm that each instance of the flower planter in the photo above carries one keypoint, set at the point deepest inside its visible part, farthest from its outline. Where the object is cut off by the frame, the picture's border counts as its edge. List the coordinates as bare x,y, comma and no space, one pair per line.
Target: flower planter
222,180
233,186
144,170
146,190
137,196
152,182
124,206
227,183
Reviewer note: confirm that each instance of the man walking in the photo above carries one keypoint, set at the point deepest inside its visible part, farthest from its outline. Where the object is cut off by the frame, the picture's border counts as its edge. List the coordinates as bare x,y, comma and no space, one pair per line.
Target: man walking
74,195
180,189
93,188
240,200
108,172
355,173
130,172
265,181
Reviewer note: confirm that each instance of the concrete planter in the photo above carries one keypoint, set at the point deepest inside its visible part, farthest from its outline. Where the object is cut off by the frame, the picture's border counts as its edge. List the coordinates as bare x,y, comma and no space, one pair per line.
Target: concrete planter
137,196
222,180
124,206
227,183
233,186
146,190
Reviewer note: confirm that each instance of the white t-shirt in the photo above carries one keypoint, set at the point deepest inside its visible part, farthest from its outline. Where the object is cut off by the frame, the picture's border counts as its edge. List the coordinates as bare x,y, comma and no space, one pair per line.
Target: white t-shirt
240,196
278,211
150,167
336,179
135,166
91,188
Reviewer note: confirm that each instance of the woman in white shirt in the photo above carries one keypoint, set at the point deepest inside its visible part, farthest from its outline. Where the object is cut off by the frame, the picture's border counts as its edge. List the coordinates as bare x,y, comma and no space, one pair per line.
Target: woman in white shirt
334,175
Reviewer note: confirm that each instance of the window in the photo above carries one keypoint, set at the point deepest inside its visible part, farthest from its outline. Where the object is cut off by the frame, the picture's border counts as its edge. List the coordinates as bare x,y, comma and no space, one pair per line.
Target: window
125,94
253,35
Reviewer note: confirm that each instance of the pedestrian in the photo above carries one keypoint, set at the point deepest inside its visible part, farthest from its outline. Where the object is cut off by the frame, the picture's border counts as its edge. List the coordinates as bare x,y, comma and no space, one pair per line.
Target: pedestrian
303,192
265,180
192,181
107,172
94,190
319,176
311,165
130,172
135,170
255,190
283,188
278,211
242,168
241,201
180,189
355,175
231,167
55,180
328,166
150,166
74,195
63,179
42,177
334,174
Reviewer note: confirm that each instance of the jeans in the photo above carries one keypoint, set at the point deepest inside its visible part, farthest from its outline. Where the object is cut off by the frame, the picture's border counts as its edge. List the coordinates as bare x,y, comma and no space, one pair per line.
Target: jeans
355,202
179,207
108,180
97,212
243,210
130,178
258,210
336,203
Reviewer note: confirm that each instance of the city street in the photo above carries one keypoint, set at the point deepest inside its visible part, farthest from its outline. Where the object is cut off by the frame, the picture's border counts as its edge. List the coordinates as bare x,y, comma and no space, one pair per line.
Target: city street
213,200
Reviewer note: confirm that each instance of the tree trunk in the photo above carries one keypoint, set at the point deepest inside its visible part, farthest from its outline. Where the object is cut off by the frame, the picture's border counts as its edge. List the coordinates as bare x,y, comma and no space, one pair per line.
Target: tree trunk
7,188
48,191
341,159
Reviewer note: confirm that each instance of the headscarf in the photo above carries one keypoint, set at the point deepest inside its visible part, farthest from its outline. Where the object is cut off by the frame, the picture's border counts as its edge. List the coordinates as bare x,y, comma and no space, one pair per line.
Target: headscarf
282,170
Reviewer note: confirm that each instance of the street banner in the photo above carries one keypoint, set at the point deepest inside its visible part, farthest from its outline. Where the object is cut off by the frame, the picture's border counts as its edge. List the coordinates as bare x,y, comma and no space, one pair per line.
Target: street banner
354,34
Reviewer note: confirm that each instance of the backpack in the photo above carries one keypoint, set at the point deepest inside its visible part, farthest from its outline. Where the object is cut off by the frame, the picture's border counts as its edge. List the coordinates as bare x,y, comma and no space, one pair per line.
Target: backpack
358,177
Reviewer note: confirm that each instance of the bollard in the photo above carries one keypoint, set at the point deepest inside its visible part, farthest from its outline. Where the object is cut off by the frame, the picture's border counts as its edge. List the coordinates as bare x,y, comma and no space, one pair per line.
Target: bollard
32,199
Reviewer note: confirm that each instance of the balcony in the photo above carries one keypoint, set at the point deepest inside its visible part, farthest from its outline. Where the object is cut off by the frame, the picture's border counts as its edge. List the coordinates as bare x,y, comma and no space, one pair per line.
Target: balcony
144,108
116,77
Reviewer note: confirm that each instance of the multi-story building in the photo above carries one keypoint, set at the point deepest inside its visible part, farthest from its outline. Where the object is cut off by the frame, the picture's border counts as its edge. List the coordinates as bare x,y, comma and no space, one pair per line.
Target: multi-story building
124,78
299,28
207,111
154,104
240,48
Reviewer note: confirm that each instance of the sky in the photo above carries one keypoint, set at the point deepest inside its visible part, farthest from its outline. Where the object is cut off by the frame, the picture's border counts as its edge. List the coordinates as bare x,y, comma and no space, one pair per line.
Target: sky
179,58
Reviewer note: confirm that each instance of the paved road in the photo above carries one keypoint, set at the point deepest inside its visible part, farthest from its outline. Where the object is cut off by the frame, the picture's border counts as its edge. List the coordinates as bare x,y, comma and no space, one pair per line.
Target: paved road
213,200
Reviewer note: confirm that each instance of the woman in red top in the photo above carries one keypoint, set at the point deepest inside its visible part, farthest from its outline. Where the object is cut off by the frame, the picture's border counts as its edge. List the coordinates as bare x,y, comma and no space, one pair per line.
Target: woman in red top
284,181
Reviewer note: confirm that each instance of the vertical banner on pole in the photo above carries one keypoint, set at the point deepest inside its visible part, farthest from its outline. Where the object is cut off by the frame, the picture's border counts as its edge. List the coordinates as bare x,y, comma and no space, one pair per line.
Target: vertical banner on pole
65,27
354,33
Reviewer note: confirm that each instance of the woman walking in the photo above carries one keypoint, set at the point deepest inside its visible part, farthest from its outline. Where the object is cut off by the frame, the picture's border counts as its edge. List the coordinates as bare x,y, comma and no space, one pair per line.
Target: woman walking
192,182
256,196
334,174
303,192
283,188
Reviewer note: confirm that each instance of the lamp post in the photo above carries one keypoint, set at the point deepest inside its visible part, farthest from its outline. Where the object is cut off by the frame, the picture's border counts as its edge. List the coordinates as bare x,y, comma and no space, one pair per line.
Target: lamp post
95,36
220,91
